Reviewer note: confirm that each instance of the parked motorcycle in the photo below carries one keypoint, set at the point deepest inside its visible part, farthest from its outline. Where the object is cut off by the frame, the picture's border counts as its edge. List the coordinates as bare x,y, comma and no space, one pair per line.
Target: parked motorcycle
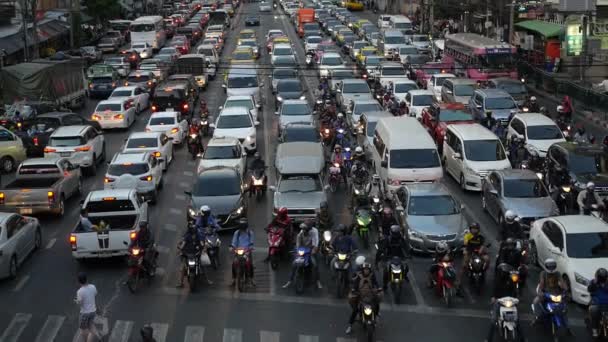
363,221
508,318
303,265
137,270
341,268
240,265
276,245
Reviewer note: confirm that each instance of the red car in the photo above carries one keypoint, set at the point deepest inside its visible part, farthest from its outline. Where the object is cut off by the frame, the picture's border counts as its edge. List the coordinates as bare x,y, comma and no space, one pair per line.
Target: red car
438,116
181,43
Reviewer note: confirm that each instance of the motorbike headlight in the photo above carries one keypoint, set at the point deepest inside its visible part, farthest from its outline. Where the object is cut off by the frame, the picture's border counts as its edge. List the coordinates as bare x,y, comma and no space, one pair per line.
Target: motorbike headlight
326,131
239,210
514,277
566,188
556,299
301,253
191,212
319,102
279,98
302,97
376,200
580,279
367,310
323,72
396,270
327,236
357,191
191,262
539,175
135,251
507,303
240,251
193,136
341,256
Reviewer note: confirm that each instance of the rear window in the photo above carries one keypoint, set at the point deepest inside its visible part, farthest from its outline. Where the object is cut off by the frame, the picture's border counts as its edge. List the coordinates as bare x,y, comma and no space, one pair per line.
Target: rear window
131,169
101,80
38,169
162,121
66,141
169,92
121,93
138,78
142,143
110,205
108,107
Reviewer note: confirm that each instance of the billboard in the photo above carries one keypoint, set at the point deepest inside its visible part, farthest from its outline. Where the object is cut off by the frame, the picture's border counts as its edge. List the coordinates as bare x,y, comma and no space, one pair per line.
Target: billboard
577,5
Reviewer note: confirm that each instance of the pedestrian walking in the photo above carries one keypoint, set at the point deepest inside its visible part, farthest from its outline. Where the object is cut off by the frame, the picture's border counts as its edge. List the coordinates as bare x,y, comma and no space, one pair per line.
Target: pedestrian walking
85,298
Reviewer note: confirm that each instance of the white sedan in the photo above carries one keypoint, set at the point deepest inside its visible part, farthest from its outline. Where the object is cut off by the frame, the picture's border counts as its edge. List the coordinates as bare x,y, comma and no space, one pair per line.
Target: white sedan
115,113
154,142
169,123
143,49
139,96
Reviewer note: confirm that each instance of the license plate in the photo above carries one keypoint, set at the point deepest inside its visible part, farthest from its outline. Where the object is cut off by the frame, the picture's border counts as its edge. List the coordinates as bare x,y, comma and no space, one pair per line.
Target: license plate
65,154
103,87
171,109
25,211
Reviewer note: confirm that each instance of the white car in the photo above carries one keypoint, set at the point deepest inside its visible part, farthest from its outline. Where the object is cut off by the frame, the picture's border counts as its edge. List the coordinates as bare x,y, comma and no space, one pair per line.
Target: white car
436,82
224,152
120,64
143,49
417,100
157,143
170,123
330,61
577,243
246,101
401,87
140,97
81,145
538,131
114,113
139,171
311,43
282,49
274,32
239,123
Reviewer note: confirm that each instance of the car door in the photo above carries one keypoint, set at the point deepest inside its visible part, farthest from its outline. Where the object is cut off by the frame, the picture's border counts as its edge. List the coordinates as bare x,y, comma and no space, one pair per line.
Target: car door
95,140
494,192
16,233
70,180
516,128
166,148
10,145
156,169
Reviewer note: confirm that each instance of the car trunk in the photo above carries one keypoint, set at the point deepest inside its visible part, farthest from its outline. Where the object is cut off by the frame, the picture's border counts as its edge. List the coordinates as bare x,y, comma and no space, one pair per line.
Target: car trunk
109,240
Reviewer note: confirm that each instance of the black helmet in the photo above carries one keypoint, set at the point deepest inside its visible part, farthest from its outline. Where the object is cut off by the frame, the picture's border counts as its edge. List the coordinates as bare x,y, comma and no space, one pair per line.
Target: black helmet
341,228
395,229
509,243
474,225
82,278
243,223
601,275
257,155
323,205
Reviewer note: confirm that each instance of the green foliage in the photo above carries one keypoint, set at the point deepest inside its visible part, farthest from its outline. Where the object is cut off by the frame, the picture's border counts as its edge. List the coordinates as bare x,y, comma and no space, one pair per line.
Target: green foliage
103,10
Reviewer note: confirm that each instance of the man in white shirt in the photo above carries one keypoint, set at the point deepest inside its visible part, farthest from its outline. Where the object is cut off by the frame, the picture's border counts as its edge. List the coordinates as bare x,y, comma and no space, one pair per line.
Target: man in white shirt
85,297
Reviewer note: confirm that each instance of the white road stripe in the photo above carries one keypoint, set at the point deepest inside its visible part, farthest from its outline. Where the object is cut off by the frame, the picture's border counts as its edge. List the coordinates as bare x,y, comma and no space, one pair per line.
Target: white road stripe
15,327
194,333
417,293
270,336
175,211
188,173
184,184
180,197
233,335
342,339
160,331
170,227
308,338
20,285
50,328
51,243
121,331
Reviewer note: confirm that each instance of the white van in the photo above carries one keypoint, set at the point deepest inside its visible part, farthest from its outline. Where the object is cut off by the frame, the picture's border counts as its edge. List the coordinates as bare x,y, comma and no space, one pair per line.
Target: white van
470,152
538,131
384,20
400,160
401,23
243,80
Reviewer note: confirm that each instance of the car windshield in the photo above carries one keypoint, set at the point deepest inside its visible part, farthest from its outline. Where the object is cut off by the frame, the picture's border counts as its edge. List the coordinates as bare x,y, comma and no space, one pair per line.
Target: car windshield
422,100
127,168
148,66
484,150
513,88
432,206
222,152
66,141
295,109
394,40
239,103
106,41
524,188
464,90
454,115
355,88
206,52
393,71
294,183
421,60
410,50
289,87
401,88
313,40
242,55
234,121
139,46
141,27
163,120
224,185
439,81
371,126
138,78
420,38
587,245
545,132
414,159
300,134
588,164
500,103
108,107
243,82
342,74
281,51
361,108
331,60
167,51
102,80
142,142
117,60
250,43
280,74
121,93
285,61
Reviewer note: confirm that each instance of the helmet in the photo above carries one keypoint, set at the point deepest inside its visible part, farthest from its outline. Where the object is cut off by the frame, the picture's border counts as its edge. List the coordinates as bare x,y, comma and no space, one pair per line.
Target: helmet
304,226
474,225
282,212
360,260
337,147
340,116
441,247
359,150
375,179
341,228
533,98
601,275
560,108
205,209
590,186
488,113
143,225
257,155
550,265
395,229
147,333
243,223
510,216
323,205
366,265
509,243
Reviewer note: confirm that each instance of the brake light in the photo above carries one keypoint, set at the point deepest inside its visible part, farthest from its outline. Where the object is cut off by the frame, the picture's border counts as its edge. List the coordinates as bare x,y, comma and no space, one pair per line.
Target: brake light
49,150
35,141
73,241
174,130
95,117
157,154
108,180
133,235
1,197
146,178
126,84
185,106
91,86
119,116
154,108
82,149
128,104
113,84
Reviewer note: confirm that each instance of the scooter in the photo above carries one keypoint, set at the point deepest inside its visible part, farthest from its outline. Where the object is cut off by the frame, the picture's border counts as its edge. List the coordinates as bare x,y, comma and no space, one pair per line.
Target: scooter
193,269
258,181
363,220
309,61
342,271
326,249
398,274
303,266
276,244
444,282
511,275
508,318
137,270
368,318
241,264
553,313
194,145
205,123
477,271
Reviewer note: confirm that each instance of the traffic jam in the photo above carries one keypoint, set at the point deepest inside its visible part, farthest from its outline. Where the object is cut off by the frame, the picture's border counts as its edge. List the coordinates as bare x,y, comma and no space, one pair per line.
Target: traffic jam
306,150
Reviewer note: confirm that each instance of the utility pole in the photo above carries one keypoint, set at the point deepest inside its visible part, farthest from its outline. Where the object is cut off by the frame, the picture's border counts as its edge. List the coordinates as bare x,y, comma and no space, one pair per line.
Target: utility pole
583,60
422,15
24,25
511,22
432,17
71,24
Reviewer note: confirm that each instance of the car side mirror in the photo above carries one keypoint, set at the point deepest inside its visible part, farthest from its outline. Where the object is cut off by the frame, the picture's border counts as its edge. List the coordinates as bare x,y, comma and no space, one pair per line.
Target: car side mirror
478,106
449,92
555,250
220,107
272,188
494,192
384,164
457,156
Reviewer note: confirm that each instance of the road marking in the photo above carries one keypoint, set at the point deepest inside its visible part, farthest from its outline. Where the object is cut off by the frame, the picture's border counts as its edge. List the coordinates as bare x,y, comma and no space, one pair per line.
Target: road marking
15,327
175,211
184,184
160,331
417,293
232,335
188,173
121,331
51,243
194,333
190,163
342,339
270,336
273,278
180,197
50,328
20,284
308,338
163,249
170,227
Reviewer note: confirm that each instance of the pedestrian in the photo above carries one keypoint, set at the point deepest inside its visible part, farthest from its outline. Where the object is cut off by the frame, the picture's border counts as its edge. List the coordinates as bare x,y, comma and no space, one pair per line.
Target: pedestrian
85,297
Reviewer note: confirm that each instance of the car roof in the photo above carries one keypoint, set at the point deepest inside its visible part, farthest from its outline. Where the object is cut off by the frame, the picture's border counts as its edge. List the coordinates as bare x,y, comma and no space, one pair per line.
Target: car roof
331,54
124,158
69,131
126,88
354,80
166,114
139,72
238,97
574,224
404,81
386,64
234,111
457,80
493,92
377,115
427,189
365,101
295,101
223,141
516,174
120,194
217,172
472,131
535,119
289,80
282,45
112,100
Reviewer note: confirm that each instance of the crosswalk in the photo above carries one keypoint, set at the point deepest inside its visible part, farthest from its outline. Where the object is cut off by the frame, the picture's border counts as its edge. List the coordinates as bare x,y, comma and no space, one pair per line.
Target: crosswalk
56,329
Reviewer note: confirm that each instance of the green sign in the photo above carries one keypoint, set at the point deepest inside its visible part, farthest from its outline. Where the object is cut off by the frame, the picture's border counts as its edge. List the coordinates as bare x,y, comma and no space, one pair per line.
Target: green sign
574,40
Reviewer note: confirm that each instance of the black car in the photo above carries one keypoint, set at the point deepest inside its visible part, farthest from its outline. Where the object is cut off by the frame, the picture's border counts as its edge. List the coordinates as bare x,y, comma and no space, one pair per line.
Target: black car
36,132
173,95
289,89
300,132
252,20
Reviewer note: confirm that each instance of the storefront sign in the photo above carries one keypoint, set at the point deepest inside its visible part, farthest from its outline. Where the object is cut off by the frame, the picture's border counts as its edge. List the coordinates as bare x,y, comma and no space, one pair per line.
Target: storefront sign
574,40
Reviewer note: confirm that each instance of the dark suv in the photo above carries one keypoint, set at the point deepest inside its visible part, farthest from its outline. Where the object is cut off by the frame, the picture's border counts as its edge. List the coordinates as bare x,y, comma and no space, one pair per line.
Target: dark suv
173,95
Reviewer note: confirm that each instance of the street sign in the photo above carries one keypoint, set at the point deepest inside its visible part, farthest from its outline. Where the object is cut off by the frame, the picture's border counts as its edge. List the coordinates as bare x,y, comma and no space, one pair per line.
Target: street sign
574,40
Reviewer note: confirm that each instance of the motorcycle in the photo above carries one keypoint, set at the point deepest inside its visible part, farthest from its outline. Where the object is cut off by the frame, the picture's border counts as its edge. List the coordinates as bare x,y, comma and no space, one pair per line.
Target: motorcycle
309,61
205,124
137,270
566,200
553,313
376,208
360,192
444,282
194,145
326,249
341,138
477,271
241,266
276,244
508,318
335,174
342,271
303,266
326,134
258,187
194,268
348,158
398,273
508,273
363,220
368,318
212,245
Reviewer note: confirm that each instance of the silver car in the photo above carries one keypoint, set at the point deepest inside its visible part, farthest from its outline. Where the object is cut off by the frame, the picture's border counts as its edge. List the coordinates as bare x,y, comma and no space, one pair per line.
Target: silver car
430,214
281,74
19,237
518,190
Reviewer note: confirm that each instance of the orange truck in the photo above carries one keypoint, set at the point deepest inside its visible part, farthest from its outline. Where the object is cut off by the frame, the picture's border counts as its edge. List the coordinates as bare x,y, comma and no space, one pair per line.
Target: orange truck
305,15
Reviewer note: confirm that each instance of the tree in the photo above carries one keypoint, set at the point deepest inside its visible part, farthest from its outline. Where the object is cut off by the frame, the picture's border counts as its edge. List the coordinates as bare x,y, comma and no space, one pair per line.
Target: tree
103,10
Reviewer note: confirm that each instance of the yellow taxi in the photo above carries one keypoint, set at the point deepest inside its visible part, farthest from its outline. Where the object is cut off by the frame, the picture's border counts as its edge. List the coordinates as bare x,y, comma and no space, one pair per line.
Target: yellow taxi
366,51
280,40
246,34
252,43
357,24
243,54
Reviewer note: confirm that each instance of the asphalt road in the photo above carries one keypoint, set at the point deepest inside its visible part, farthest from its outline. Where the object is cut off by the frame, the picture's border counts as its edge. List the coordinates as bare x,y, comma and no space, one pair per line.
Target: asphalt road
38,305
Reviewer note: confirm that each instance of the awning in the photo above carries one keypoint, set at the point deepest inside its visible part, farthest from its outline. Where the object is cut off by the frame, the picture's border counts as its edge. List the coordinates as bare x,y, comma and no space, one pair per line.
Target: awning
544,28
46,30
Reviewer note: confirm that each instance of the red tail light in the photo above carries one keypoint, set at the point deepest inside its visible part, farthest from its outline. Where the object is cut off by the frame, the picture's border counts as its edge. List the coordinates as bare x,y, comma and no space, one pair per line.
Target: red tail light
154,108
35,141
108,180
73,241
49,150
185,106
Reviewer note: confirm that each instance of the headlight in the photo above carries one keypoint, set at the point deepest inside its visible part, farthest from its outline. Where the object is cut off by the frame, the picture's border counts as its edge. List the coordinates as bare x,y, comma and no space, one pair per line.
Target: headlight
239,210
250,138
341,256
580,279
302,97
396,270
323,72
556,299
327,236
539,175
301,252
367,310
191,262
376,200
566,188
508,303
357,191
191,212
279,98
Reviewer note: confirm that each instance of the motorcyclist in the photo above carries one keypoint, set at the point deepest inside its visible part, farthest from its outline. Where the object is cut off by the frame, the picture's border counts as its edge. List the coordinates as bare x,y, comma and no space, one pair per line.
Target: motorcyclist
308,237
387,220
192,242
205,219
509,254
403,110
568,108
489,122
581,135
532,104
145,239
343,242
147,334
324,219
359,172
512,227
442,254
375,190
203,107
340,122
364,287
473,243
257,166
395,246
519,153
587,198
243,238
311,54
359,155
550,281
319,93
338,158
598,289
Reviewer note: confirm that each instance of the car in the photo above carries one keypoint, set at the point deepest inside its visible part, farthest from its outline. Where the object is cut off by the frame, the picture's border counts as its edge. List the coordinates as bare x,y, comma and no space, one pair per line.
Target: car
182,44
171,123
252,20
174,95
281,50
247,101
361,106
274,33
237,122
355,49
390,72
289,89
370,66
171,51
538,131
157,66
578,245
435,83
139,171
300,132
108,45
405,51
115,34
515,88
274,40
140,96
223,151
438,116
12,150
498,101
364,52
458,90
330,61
91,54
247,34
222,189
402,86
285,62
430,215
281,74
120,64
81,145
417,100
141,78
265,7
155,142
243,54
252,43
294,111
144,49
350,90
216,42
115,113
520,191
421,42
311,42
20,236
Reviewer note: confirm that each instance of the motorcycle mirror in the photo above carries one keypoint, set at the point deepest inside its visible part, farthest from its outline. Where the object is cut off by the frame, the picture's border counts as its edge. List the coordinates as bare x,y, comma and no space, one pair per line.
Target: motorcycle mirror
272,188
220,107
462,207
494,192
326,187
276,113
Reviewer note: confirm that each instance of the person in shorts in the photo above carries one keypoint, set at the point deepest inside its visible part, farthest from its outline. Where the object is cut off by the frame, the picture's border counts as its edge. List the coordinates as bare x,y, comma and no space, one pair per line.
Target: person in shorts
85,297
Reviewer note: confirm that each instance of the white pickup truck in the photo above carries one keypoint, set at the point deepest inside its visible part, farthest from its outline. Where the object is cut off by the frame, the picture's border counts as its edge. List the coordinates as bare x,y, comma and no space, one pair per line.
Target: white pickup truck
121,211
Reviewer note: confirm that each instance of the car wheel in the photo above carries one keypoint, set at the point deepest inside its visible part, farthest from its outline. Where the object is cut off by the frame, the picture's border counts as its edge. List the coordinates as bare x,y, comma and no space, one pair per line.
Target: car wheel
463,184
38,239
7,164
13,268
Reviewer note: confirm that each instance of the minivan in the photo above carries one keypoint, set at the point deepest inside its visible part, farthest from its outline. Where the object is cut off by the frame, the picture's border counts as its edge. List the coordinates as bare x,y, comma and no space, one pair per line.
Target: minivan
498,101
399,161
391,39
243,80
470,152
401,23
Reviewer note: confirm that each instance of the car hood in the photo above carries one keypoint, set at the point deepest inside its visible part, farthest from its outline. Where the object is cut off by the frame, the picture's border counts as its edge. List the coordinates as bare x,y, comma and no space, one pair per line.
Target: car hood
239,133
222,205
357,96
437,225
501,114
299,200
530,207
285,119
290,95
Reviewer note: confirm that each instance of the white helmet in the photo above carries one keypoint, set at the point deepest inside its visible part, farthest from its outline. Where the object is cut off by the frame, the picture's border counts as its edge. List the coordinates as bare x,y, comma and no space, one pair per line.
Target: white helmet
590,186
359,150
510,216
360,260
204,209
533,98
340,115
560,108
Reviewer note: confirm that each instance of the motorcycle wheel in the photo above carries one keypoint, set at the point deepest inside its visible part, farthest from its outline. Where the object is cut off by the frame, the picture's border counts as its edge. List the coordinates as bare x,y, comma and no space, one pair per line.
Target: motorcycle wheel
274,262
240,280
509,335
192,282
448,296
371,333
396,288
259,194
214,261
299,280
333,186
339,285
133,282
